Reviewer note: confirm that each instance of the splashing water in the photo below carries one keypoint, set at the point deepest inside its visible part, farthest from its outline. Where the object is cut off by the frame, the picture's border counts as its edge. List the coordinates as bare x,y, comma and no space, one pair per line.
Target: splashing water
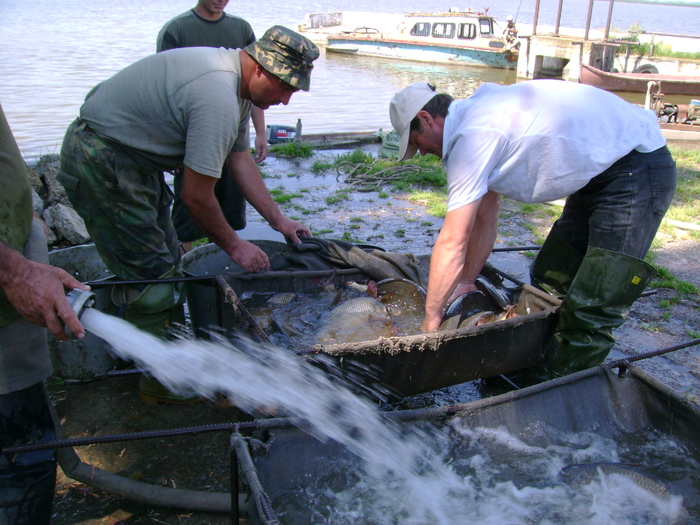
408,476
253,374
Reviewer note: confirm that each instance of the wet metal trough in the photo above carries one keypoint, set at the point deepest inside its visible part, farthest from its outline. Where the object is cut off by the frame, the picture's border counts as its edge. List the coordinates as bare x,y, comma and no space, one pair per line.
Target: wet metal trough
405,365
625,406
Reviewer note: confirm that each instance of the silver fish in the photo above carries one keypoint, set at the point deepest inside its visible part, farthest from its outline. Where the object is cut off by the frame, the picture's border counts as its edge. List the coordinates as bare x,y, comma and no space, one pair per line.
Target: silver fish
281,299
359,319
585,473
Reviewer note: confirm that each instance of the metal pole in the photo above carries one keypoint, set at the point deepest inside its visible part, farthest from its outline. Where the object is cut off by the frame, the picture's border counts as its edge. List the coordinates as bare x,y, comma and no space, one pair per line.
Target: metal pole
235,511
588,19
607,24
537,15
556,28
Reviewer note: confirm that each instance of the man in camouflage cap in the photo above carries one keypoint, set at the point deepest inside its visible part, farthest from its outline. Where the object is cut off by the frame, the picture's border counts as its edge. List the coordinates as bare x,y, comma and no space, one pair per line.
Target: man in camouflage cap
185,108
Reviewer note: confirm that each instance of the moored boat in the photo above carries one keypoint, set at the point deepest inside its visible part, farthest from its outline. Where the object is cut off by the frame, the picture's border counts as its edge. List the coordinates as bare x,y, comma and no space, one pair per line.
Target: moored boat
638,82
462,37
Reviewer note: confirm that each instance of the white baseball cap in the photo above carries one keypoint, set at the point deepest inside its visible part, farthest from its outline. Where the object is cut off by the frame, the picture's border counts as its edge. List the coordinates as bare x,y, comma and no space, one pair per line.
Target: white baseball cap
403,109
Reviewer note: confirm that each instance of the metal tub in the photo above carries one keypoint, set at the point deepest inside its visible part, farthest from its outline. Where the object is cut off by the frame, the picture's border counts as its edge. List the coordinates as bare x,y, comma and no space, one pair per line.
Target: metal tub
599,401
405,365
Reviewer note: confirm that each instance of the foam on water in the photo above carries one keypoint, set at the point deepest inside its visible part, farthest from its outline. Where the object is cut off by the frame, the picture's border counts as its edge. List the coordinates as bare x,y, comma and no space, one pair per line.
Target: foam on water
252,375
407,476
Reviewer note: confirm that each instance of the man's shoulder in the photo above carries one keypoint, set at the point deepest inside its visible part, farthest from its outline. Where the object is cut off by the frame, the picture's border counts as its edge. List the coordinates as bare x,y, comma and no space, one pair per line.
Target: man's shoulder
179,19
238,21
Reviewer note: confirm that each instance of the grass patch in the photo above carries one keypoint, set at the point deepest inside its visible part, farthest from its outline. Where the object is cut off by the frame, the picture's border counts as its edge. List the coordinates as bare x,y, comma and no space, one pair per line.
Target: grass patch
347,236
686,201
435,201
280,196
666,279
296,150
323,232
338,196
320,166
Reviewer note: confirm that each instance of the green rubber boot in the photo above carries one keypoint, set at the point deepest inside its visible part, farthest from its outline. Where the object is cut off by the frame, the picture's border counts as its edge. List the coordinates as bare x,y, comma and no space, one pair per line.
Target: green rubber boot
154,310
599,300
555,266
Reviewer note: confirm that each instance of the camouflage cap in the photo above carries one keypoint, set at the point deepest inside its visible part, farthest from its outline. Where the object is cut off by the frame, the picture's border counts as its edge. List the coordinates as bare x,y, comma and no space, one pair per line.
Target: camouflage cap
285,54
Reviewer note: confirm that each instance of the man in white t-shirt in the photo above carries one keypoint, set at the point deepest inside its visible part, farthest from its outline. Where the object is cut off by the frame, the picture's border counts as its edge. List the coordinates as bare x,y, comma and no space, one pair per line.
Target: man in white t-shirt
538,141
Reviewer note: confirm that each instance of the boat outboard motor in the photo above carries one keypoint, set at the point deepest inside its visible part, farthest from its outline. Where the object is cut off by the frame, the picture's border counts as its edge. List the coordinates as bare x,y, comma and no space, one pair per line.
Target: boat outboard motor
79,301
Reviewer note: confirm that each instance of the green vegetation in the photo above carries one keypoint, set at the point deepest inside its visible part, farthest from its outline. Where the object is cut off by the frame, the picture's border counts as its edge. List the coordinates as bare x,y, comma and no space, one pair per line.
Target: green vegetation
320,166
434,200
338,196
347,236
296,150
660,49
686,201
281,197
666,279
323,232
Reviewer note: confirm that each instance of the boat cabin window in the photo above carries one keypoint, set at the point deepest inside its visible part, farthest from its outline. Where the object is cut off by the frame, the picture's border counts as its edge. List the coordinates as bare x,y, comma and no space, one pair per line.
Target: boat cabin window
443,30
486,26
421,29
467,31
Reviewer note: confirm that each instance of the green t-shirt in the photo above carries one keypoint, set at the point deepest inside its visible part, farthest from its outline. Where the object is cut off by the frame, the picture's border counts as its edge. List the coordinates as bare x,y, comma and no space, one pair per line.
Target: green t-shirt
191,30
180,106
15,204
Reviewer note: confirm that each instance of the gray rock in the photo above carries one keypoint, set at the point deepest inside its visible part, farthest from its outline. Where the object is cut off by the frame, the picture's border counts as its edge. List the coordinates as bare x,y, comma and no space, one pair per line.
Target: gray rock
66,223
35,179
54,190
37,203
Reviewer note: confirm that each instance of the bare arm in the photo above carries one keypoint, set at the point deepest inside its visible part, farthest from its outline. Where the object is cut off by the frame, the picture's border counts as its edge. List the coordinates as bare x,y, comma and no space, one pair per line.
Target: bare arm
481,243
37,292
464,244
198,195
247,176
257,115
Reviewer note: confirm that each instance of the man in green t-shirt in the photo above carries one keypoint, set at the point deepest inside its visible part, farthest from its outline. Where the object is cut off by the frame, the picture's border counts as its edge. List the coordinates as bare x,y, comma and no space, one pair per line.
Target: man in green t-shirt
208,25
184,108
32,296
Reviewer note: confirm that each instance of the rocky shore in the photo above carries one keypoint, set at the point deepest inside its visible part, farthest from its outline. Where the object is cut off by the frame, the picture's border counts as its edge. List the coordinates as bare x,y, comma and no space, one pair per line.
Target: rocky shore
65,227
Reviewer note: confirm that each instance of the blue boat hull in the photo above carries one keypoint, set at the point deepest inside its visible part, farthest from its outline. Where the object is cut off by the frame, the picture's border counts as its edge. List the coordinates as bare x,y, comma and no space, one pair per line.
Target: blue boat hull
496,57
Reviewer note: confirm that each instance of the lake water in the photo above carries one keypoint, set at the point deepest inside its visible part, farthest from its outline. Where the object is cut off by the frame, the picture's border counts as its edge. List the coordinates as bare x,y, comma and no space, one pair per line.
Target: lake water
52,52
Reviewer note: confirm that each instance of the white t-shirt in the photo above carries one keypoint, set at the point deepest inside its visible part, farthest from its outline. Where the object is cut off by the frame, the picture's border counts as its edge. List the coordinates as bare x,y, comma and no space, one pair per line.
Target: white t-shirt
178,106
539,140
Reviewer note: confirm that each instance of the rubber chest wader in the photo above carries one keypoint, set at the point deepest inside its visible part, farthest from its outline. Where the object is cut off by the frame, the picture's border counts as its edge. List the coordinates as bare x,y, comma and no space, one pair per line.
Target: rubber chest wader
154,309
598,299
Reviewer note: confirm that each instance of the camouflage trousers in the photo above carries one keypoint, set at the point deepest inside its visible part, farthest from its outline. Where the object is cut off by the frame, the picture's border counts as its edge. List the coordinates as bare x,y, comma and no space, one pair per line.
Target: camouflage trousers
126,210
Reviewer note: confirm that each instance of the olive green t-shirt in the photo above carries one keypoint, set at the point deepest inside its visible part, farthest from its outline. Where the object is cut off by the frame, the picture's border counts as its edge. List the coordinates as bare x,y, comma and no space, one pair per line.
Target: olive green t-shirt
15,203
177,107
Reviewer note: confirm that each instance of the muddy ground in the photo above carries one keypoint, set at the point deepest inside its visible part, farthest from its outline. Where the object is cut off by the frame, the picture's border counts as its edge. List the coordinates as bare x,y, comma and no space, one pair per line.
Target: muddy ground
111,406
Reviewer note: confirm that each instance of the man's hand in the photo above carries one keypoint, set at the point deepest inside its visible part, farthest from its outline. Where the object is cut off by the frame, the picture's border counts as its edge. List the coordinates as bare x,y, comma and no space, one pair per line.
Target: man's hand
261,148
249,257
291,230
463,287
431,323
38,292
